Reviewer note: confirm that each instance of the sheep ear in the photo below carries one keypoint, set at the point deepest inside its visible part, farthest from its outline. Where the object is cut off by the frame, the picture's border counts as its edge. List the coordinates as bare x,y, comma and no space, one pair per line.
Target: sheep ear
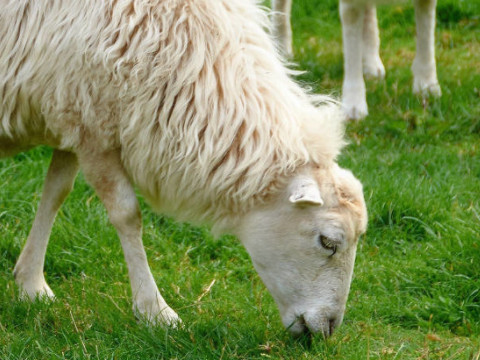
304,191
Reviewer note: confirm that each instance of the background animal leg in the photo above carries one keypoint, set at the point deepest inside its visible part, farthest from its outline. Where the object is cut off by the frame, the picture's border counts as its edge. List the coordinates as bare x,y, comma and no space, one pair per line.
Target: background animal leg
107,176
58,184
354,96
281,25
424,67
372,64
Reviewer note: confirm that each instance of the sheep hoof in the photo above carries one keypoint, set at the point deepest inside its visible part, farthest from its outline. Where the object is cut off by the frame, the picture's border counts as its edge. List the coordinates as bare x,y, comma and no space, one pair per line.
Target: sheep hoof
354,100
35,291
427,88
166,317
374,69
355,113
356,110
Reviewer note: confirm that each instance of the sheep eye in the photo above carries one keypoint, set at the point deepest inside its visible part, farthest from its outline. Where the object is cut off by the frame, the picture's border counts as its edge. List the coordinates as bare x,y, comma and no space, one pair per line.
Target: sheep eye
327,244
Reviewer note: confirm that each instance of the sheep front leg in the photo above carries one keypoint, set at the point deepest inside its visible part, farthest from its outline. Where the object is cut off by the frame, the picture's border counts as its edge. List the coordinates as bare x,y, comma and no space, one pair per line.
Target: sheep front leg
281,25
109,179
58,184
424,67
372,64
354,96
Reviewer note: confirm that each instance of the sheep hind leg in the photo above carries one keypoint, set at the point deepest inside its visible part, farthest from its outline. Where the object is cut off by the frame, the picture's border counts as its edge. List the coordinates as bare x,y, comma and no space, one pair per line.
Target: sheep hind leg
354,94
424,67
372,63
281,25
108,177
28,271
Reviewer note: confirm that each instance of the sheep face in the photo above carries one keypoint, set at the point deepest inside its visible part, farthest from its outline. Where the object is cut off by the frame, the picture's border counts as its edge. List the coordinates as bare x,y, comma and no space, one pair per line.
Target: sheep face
303,245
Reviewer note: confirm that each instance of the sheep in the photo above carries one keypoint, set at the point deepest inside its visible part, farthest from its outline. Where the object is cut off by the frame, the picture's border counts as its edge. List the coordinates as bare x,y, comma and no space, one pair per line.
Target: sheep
361,45
189,101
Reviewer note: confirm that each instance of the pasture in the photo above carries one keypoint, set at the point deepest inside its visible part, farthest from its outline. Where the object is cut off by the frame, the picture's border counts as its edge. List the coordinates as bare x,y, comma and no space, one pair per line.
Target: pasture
416,287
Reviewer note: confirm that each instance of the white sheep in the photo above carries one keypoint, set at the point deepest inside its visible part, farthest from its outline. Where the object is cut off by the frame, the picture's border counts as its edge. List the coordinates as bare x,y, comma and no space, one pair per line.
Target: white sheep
361,45
188,100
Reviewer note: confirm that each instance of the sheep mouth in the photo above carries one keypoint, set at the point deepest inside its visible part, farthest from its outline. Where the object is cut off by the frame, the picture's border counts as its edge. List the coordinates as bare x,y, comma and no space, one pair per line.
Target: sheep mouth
301,327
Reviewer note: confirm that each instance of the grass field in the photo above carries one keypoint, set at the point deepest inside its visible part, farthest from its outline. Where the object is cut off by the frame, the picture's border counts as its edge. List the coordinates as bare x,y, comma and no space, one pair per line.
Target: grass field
416,287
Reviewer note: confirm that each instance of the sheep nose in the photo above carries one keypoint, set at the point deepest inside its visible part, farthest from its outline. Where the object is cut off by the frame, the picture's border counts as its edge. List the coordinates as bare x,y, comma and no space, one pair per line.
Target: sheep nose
329,325
332,324
310,325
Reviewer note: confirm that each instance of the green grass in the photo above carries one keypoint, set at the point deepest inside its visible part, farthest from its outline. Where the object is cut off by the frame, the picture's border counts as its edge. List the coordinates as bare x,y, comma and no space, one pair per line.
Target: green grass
416,288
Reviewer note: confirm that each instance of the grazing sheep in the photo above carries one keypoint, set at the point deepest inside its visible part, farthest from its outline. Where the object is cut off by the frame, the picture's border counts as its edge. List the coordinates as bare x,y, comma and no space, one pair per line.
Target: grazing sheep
188,100
361,44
